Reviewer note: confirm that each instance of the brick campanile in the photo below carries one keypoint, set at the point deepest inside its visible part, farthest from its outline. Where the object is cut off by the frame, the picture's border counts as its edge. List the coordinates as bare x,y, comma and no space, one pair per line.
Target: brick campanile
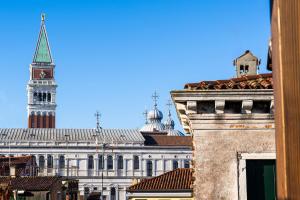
41,88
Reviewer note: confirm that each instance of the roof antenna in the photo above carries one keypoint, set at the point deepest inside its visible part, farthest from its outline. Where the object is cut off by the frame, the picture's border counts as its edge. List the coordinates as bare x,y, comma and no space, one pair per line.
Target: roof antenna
98,115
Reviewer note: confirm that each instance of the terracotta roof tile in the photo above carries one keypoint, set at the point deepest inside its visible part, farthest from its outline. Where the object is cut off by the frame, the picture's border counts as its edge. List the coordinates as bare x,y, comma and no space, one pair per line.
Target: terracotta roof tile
260,81
164,140
16,160
177,180
37,183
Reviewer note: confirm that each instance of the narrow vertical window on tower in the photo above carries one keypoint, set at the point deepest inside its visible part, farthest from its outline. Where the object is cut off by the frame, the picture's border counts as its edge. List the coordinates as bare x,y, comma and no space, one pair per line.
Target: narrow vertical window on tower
241,69
49,97
32,120
44,120
35,97
44,97
50,120
38,123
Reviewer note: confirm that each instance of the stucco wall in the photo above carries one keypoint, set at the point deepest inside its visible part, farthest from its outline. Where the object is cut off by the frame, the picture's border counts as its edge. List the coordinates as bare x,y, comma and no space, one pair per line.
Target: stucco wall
216,160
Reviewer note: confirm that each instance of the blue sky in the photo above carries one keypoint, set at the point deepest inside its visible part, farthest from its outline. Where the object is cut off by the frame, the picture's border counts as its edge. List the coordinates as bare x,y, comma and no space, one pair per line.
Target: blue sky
111,55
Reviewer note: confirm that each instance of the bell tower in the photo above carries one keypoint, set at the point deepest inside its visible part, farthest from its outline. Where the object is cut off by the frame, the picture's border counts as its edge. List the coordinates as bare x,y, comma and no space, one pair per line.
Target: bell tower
41,88
247,64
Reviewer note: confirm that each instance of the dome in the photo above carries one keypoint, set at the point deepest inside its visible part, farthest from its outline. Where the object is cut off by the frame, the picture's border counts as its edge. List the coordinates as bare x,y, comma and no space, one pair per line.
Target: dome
153,127
154,115
169,123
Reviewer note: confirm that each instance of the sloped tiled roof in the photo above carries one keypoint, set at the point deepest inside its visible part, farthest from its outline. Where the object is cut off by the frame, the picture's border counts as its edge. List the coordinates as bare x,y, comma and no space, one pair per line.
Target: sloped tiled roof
260,81
55,134
177,180
15,160
164,140
37,183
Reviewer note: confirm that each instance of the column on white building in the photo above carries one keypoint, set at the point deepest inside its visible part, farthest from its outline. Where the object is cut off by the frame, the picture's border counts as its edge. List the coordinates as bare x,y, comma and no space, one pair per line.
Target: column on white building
95,164
125,164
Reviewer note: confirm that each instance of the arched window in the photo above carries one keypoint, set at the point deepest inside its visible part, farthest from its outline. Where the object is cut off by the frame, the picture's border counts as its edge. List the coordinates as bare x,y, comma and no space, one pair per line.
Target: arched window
113,193
120,162
242,69
100,162
49,97
136,162
91,162
110,162
246,68
41,162
50,120
49,161
38,118
44,120
32,120
175,164
149,168
40,97
61,164
186,164
44,97
35,96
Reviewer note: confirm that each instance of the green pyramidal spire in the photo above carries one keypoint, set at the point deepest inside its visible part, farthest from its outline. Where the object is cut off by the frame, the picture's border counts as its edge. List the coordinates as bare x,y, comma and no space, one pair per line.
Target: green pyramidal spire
42,52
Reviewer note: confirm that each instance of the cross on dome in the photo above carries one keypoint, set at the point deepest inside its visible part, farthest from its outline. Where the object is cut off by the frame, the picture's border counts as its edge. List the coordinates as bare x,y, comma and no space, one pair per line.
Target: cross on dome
145,113
98,115
155,98
169,104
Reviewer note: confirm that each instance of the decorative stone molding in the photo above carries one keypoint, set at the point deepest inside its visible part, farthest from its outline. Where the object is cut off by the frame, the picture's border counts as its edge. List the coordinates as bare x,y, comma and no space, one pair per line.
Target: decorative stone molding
191,107
219,106
247,106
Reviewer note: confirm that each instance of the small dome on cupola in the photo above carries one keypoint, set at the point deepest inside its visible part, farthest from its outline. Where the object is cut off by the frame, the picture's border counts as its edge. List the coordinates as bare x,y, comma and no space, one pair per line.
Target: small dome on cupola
153,120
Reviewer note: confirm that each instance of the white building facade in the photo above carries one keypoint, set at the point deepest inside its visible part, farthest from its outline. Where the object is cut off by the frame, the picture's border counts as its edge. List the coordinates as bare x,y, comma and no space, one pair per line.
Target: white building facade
79,153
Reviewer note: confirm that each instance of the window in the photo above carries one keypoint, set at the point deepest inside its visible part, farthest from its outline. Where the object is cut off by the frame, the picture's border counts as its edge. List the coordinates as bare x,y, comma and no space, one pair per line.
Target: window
35,96
91,162
100,162
233,107
61,164
41,162
38,124
136,162
49,161
241,69
246,69
186,164
49,97
113,193
149,168
261,107
40,97
120,162
32,121
175,164
206,107
110,162
44,120
50,120
44,97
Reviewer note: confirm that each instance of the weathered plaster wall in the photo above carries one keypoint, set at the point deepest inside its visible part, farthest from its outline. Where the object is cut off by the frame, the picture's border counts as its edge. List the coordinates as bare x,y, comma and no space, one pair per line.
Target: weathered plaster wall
216,160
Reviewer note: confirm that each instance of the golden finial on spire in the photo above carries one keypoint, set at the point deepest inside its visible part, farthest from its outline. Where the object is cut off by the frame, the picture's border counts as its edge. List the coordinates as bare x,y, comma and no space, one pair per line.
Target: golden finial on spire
43,15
